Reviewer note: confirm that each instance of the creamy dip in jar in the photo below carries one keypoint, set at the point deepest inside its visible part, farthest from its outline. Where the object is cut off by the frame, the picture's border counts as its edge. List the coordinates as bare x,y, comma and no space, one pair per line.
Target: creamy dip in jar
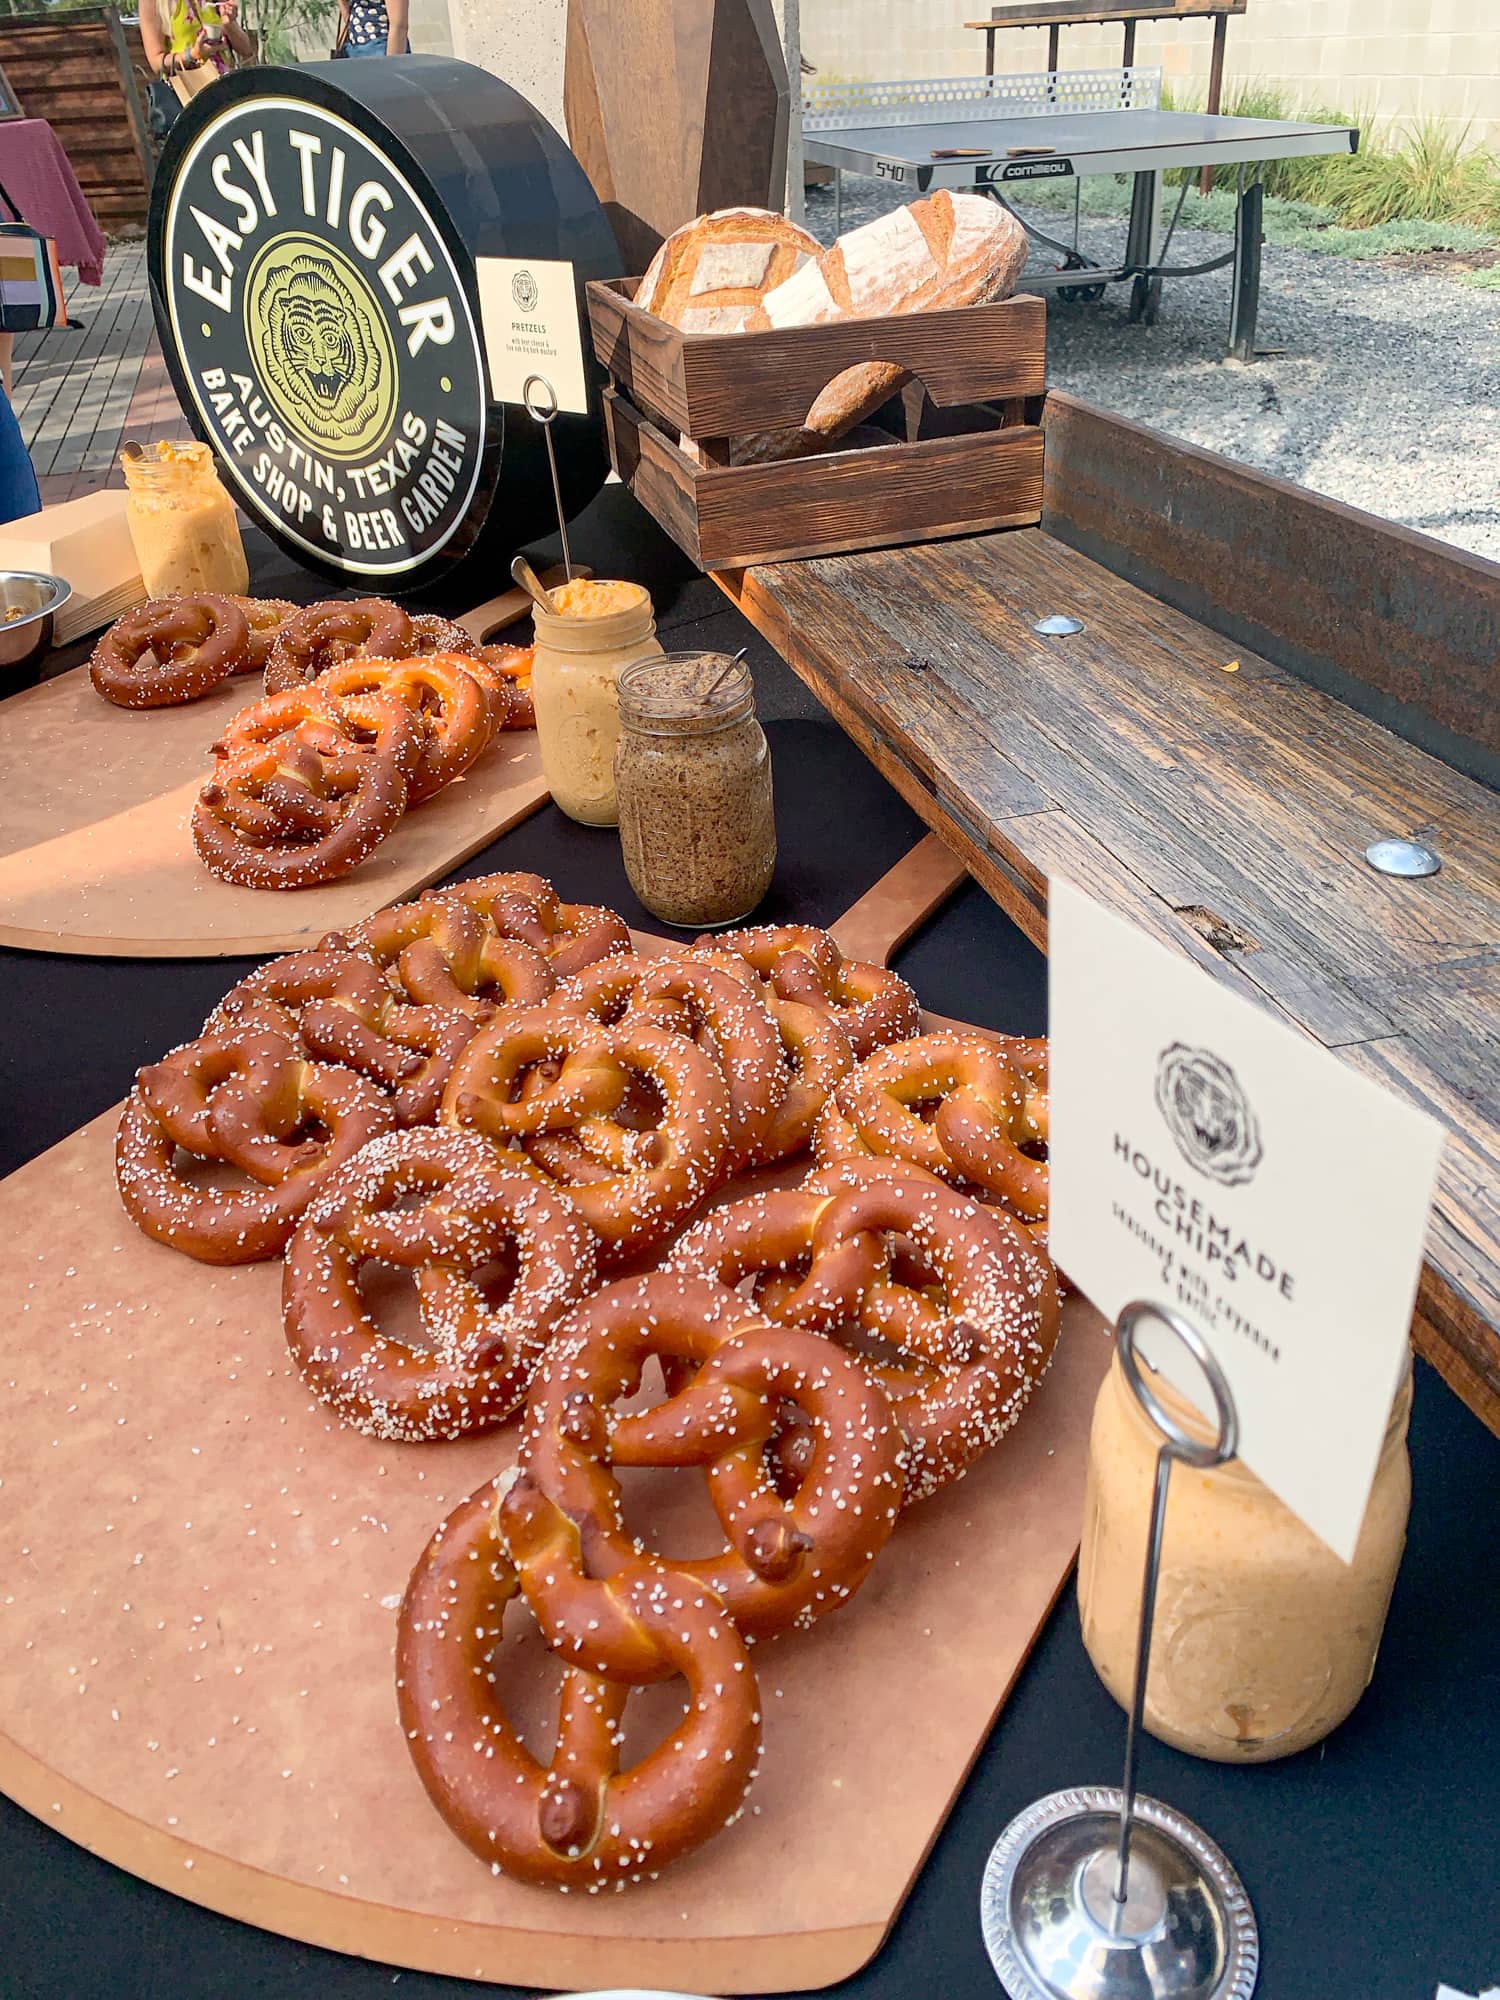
693,774
1263,1640
599,628
182,523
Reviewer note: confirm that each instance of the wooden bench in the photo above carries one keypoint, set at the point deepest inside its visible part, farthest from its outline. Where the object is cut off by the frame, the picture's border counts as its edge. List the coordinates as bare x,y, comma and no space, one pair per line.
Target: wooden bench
1208,756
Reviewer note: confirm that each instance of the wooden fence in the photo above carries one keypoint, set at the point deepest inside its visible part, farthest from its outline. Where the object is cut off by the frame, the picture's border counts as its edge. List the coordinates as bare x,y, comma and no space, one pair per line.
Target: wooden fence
78,70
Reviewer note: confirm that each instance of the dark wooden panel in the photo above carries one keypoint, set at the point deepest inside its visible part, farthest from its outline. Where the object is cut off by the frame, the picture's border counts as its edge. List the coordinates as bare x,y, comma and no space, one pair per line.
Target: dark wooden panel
850,499
1224,812
710,386
675,107
1396,624
77,71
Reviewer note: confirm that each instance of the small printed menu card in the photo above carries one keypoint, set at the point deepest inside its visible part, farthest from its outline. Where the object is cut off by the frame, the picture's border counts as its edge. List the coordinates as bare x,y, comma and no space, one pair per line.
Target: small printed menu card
1210,1157
529,309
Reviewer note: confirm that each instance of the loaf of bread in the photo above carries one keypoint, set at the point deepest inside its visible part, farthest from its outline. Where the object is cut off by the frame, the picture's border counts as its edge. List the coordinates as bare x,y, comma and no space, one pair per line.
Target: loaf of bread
708,276
720,275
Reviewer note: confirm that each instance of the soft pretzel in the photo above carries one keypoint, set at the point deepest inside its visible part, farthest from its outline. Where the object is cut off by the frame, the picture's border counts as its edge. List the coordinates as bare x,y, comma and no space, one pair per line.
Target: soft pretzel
321,635
577,1820
471,1212
379,722
505,673
804,964
249,1102
432,634
983,1102
702,1001
305,809
787,1559
171,650
265,617
568,935
442,951
340,1009
448,704
633,1120
815,1053
884,1250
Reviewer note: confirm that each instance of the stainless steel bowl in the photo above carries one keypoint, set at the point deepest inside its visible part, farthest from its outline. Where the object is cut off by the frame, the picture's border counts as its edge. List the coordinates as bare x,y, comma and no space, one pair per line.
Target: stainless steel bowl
29,602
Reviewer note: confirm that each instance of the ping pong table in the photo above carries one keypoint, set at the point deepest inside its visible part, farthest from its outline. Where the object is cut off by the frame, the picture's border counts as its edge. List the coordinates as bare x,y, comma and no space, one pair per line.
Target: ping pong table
1000,134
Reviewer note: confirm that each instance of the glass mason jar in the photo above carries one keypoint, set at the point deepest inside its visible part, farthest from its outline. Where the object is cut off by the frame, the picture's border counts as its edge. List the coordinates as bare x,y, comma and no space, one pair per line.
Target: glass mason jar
183,524
578,654
693,772
1264,1640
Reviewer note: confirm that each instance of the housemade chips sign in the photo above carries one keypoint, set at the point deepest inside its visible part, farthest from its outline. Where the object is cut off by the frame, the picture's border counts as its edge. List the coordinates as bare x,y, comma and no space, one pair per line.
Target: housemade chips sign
324,337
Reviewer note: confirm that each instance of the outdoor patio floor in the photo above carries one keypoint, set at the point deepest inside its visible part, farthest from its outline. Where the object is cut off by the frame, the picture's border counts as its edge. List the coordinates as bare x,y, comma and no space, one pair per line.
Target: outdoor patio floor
80,392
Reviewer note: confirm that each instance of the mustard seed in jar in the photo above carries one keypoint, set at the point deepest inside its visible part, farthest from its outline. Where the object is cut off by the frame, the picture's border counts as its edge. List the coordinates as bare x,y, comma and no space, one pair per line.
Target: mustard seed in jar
693,775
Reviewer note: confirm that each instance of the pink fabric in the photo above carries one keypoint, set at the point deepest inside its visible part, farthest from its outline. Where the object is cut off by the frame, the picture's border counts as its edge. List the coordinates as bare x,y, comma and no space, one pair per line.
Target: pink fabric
39,178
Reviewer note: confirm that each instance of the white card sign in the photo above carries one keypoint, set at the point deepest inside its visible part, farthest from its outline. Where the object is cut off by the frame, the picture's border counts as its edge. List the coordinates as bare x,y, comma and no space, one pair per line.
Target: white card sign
529,310
1209,1157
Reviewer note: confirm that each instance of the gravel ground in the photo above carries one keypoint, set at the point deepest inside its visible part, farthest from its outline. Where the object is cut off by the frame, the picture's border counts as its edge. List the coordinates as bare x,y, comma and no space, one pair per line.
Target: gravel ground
1383,389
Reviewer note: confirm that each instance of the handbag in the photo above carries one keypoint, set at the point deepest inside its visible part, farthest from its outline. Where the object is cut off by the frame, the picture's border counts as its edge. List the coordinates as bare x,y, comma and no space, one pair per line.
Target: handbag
31,288
340,50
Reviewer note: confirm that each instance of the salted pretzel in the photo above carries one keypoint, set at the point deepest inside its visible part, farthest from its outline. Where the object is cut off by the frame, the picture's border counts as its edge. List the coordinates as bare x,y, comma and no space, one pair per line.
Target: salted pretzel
505,672
959,1105
433,634
381,722
815,1054
441,951
476,1356
340,1009
717,1011
632,1120
568,935
265,617
577,1820
305,809
249,1102
323,634
450,708
804,964
171,650
881,1251
787,1558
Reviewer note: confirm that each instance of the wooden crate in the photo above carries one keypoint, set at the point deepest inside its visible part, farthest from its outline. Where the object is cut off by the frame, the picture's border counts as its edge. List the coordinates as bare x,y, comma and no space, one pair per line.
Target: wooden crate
962,449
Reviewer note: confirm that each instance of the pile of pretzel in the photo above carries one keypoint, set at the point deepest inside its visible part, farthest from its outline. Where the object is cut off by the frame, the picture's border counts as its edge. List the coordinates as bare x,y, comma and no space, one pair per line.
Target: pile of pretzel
488,1090
367,711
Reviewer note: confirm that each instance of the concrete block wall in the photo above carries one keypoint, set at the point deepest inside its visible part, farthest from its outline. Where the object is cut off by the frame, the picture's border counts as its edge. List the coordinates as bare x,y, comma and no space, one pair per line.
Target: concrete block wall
1394,59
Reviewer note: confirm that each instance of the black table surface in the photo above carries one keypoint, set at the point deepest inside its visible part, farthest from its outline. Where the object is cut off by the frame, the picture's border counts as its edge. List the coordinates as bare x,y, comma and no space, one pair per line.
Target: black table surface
1373,1861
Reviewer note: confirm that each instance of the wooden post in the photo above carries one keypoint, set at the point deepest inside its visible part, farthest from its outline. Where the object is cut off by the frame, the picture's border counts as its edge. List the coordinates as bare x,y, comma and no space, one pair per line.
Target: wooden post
1215,88
1129,56
1054,43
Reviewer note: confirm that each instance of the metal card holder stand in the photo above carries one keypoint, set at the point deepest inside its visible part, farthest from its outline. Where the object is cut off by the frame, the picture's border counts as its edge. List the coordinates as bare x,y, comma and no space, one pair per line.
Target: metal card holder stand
545,414
1101,1894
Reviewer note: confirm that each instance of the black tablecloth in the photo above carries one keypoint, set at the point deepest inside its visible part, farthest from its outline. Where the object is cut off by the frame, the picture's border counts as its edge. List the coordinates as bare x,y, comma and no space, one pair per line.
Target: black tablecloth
1373,1861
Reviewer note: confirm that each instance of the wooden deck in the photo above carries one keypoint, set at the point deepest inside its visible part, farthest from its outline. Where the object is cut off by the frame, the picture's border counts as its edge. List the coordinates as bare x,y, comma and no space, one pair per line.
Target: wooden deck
80,392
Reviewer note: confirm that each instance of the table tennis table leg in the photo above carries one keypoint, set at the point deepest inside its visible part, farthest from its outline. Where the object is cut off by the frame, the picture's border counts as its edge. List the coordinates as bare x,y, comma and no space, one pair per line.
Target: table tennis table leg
1143,245
838,201
1244,296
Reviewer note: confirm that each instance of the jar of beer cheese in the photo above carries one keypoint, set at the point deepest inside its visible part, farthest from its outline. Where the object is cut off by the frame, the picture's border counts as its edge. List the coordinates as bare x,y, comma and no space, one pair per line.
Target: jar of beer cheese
182,523
693,775
598,628
1264,1640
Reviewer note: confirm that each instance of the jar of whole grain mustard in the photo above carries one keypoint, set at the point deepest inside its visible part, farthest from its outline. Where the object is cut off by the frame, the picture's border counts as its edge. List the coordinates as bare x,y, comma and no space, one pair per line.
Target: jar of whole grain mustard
1264,1640
693,778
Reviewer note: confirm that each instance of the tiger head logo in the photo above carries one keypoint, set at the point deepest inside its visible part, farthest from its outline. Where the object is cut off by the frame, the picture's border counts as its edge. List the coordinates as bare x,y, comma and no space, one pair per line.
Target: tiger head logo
323,347
1208,1114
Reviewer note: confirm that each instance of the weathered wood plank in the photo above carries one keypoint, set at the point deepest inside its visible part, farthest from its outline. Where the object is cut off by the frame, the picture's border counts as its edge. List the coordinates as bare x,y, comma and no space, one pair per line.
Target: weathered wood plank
1225,812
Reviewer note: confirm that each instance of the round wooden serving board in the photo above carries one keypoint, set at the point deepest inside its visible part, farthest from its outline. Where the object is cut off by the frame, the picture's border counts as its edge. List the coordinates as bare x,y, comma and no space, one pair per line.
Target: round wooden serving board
96,856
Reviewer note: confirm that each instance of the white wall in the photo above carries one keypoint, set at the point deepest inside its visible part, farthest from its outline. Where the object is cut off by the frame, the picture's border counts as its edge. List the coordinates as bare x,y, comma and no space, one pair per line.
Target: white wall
1389,58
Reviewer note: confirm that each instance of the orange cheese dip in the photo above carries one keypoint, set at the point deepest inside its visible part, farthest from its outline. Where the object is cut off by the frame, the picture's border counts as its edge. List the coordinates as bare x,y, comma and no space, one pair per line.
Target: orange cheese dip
584,598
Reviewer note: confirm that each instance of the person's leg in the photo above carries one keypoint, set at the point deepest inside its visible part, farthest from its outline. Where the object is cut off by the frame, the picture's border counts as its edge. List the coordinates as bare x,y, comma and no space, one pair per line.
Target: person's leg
19,493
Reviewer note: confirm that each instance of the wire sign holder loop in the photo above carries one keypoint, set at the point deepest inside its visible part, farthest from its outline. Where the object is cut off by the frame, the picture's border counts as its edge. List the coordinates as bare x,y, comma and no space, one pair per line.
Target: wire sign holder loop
1102,1894
533,389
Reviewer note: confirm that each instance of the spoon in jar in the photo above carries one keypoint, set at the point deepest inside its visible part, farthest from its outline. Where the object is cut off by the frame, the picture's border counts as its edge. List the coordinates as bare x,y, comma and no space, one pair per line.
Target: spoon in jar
532,584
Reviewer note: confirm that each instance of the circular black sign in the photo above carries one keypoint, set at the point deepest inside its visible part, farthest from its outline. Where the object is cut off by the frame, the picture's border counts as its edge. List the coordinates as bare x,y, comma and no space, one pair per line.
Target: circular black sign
324,336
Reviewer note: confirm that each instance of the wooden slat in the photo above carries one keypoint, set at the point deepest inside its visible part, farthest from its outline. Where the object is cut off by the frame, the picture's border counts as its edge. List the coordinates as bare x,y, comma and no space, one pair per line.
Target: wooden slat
1226,813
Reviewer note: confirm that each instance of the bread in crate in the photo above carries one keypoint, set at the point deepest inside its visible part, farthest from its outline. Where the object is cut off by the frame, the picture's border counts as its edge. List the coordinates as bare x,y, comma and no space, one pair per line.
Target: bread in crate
946,250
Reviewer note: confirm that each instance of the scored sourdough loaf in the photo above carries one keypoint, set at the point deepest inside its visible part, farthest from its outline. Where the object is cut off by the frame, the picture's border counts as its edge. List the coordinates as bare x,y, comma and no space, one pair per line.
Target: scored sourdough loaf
709,276
947,250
